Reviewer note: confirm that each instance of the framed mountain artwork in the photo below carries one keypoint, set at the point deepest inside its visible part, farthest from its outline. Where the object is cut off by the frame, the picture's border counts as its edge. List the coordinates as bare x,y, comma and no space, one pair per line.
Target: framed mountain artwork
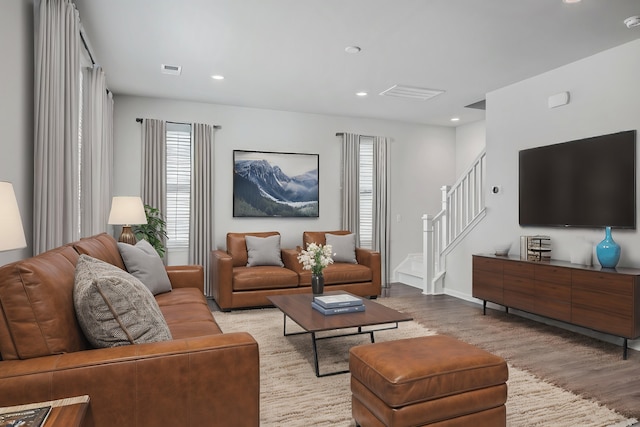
269,184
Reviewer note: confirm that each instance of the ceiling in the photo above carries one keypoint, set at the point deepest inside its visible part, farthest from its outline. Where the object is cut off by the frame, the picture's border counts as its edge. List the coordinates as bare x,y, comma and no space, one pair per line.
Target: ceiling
290,54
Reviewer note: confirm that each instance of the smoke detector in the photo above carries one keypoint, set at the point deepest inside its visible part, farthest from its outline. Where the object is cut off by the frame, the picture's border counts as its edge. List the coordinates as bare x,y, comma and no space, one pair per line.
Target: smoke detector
632,21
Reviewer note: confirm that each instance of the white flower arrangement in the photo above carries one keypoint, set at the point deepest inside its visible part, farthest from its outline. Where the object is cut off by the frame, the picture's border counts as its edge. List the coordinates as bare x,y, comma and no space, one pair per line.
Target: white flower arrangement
316,257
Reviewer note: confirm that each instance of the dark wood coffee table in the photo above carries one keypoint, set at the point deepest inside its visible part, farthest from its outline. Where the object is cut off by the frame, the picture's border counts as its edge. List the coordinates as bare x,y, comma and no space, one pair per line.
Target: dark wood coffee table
298,308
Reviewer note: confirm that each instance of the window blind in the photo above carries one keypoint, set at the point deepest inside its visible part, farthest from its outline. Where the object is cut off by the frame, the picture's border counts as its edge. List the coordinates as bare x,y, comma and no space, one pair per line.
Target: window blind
365,184
178,184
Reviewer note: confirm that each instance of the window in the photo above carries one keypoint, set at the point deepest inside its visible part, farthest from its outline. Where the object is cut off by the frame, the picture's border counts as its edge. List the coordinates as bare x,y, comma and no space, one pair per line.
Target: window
365,189
178,185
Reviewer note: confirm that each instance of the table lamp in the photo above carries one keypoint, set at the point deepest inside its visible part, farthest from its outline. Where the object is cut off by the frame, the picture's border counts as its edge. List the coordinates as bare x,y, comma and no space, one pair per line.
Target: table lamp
11,231
127,211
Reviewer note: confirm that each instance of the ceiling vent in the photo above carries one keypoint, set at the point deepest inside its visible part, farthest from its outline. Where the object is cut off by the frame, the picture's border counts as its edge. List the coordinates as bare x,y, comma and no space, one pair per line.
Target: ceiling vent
400,91
174,70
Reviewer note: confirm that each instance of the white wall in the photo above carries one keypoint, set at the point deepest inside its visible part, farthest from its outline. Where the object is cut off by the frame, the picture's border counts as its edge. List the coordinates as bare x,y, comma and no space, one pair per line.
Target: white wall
470,141
16,111
422,159
605,98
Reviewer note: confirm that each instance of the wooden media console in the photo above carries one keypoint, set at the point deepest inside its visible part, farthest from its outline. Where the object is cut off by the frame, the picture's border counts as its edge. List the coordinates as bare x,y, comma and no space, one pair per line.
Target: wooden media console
605,300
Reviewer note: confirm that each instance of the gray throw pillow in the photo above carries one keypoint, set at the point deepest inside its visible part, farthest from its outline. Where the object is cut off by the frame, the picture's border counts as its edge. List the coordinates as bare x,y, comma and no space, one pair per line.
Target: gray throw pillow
144,263
114,308
343,247
263,251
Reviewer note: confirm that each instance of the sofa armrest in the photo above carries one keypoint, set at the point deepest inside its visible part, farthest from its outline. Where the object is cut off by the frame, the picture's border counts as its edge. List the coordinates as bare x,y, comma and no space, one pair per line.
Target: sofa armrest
222,278
186,276
218,378
290,260
372,260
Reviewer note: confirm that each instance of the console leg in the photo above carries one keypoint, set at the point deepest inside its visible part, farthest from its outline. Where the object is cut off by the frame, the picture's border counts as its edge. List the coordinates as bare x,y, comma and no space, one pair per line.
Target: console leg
624,350
484,307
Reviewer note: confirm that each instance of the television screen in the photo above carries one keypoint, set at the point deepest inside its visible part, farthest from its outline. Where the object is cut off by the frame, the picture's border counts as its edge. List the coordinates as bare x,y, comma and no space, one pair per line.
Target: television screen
585,183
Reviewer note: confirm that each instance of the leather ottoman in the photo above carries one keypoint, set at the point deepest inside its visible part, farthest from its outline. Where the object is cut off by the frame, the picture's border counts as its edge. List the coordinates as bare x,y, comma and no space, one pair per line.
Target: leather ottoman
434,380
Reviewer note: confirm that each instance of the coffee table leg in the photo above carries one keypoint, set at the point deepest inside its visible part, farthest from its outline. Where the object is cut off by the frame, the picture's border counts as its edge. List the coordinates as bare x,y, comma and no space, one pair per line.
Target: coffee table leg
315,353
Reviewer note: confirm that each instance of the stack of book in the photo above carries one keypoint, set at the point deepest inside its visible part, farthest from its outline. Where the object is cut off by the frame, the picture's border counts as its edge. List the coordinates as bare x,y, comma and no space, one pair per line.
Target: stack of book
535,248
337,304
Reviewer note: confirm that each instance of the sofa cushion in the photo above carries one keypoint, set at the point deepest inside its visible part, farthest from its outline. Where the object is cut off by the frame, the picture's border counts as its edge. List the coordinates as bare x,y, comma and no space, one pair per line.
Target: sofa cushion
144,263
237,246
103,247
114,308
36,296
339,273
263,277
263,251
343,247
319,237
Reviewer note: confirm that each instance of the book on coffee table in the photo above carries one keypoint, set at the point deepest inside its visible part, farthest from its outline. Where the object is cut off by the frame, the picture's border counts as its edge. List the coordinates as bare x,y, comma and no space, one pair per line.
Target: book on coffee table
335,301
34,417
337,310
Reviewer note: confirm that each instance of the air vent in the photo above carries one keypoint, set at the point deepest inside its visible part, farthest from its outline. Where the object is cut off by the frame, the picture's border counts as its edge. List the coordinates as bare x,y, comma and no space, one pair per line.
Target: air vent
174,70
412,92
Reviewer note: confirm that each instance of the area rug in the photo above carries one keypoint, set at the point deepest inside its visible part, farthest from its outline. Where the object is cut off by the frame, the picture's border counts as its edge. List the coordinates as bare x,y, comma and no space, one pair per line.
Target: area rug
291,394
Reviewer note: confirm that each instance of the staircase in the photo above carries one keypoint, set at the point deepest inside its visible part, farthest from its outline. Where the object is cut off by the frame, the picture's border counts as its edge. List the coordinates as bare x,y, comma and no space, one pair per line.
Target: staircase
463,206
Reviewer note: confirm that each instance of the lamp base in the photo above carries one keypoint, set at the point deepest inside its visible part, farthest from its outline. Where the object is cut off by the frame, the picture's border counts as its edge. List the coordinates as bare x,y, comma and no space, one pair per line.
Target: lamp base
127,235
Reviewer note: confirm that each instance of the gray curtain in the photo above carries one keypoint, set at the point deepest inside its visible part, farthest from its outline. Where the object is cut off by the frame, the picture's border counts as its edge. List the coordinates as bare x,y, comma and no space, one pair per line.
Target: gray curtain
350,188
382,204
154,161
56,215
96,152
201,239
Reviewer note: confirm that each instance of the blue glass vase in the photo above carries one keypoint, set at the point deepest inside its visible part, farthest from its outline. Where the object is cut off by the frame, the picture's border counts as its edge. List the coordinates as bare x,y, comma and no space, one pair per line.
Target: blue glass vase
608,251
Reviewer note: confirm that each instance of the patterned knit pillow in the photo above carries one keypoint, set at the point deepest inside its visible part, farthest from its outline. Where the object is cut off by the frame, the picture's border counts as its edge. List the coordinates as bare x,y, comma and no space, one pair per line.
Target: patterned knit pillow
114,308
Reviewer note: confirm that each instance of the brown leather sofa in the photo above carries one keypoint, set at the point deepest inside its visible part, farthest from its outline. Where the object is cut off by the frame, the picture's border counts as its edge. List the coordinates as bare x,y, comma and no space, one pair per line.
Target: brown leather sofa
201,377
234,285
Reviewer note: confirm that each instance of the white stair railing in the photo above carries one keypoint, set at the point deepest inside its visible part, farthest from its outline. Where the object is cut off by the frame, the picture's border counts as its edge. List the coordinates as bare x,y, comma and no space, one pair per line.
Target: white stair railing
462,206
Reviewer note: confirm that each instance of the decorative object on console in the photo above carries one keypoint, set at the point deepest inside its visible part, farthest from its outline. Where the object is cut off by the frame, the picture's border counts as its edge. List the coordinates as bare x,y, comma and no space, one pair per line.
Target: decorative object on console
11,231
126,211
581,253
316,258
608,251
535,248
502,249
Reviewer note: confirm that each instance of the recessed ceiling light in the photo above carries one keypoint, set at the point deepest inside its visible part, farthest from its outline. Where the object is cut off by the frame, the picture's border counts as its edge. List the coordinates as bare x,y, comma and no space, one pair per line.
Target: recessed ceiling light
217,77
352,49
455,119
362,93
174,70
571,1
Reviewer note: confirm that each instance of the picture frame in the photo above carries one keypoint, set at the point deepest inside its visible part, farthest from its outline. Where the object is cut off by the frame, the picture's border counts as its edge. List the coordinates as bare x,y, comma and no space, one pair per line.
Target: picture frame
275,184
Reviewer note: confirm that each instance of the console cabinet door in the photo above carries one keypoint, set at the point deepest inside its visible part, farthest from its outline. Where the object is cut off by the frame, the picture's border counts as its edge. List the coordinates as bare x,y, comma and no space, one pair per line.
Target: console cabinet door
487,279
553,291
519,286
603,301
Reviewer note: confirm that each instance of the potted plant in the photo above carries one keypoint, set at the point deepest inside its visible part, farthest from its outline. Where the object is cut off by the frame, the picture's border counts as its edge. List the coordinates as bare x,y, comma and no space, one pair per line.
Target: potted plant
154,231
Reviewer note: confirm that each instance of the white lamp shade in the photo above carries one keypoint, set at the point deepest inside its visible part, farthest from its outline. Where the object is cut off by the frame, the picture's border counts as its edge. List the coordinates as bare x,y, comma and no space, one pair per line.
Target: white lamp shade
127,211
11,231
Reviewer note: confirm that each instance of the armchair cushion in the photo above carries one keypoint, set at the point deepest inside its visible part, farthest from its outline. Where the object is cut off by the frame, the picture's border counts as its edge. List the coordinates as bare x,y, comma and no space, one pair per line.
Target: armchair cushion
144,263
114,308
263,251
343,247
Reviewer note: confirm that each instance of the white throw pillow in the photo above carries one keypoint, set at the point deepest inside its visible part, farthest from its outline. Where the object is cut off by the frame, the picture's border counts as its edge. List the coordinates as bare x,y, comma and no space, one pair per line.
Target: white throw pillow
144,263
343,247
263,251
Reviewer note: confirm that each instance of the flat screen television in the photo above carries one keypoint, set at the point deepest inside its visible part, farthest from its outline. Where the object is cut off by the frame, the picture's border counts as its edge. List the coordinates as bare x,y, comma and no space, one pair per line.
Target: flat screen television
586,183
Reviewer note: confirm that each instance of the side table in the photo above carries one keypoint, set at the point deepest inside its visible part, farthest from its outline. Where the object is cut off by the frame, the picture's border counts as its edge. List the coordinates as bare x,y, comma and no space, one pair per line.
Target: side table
67,412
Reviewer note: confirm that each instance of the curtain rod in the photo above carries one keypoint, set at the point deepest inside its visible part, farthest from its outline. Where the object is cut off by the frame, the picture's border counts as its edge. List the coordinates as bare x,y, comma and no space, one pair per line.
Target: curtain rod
342,134
139,120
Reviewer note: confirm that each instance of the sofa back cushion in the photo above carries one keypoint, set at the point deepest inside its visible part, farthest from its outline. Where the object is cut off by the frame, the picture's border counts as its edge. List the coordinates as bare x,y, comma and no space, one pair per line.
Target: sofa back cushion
237,246
37,316
103,247
318,237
